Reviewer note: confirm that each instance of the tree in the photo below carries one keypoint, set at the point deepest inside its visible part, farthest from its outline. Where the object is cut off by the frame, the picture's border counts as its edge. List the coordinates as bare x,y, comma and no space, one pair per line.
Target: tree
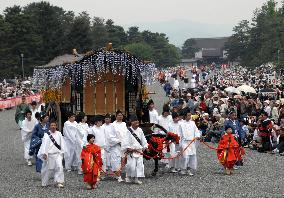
99,33
80,34
141,50
189,49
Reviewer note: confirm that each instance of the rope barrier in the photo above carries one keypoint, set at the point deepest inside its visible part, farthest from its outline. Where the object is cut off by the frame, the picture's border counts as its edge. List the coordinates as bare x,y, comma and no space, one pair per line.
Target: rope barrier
118,173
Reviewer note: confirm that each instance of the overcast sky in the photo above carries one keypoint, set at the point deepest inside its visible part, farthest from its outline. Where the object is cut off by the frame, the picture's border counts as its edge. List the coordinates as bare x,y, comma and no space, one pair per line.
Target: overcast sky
141,11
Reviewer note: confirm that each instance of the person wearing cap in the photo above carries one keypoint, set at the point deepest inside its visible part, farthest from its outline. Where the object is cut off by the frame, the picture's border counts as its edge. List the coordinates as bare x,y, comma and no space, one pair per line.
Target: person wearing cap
20,111
113,147
188,133
26,133
81,136
279,148
51,152
174,127
70,133
100,138
134,141
91,162
39,130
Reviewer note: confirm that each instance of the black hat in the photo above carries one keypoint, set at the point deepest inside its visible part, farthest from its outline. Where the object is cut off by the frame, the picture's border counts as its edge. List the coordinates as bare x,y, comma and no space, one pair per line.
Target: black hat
227,127
166,108
175,115
107,115
98,118
90,136
150,102
133,118
33,103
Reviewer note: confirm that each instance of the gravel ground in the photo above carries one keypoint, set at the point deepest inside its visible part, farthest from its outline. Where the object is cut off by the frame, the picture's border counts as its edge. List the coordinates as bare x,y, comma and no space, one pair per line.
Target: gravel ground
261,176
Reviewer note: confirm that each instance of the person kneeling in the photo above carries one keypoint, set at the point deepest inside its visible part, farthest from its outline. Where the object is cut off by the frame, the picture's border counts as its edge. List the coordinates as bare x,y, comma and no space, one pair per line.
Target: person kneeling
91,162
51,152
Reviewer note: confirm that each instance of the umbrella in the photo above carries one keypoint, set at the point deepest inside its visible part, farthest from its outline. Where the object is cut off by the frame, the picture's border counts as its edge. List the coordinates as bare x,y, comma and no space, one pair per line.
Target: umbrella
246,89
237,96
232,90
26,82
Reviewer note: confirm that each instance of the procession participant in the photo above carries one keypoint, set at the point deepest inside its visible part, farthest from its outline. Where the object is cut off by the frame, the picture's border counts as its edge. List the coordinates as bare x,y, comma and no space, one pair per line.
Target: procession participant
121,128
83,128
174,127
20,111
113,147
70,133
100,139
164,120
26,132
33,109
228,151
51,153
39,130
91,162
134,140
188,133
153,113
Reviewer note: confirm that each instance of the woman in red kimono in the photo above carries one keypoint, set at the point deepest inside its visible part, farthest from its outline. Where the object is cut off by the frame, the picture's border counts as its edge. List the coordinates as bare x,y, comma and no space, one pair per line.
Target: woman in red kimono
91,162
229,151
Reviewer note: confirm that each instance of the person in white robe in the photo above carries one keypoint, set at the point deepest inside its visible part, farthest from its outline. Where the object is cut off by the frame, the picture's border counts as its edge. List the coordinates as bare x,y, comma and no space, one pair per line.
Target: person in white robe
70,133
52,156
164,120
174,127
26,132
188,133
153,113
121,128
113,147
135,167
34,109
98,131
83,128
176,84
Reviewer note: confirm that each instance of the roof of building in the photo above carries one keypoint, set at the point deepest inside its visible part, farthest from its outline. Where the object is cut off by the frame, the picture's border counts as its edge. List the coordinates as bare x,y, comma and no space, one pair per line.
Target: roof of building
211,46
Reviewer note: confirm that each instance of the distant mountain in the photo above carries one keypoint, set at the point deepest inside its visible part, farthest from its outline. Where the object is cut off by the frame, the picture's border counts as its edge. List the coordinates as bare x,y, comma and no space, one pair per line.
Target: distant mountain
180,30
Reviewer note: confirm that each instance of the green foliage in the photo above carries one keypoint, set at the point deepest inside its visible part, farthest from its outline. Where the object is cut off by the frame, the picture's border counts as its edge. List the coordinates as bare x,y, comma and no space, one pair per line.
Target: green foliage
42,31
188,49
261,41
141,50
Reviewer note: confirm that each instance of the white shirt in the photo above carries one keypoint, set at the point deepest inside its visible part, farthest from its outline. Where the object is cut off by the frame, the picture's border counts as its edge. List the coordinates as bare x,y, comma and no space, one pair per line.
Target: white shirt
121,128
112,136
165,121
82,133
153,116
27,129
99,134
70,131
132,143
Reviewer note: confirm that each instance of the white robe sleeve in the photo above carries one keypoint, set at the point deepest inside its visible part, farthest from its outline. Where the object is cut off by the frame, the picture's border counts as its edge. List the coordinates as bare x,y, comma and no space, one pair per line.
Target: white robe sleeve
44,147
143,140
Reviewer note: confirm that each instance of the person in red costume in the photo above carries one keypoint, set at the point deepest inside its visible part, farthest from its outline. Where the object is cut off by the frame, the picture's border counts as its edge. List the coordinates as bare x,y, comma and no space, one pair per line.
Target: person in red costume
229,151
91,162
